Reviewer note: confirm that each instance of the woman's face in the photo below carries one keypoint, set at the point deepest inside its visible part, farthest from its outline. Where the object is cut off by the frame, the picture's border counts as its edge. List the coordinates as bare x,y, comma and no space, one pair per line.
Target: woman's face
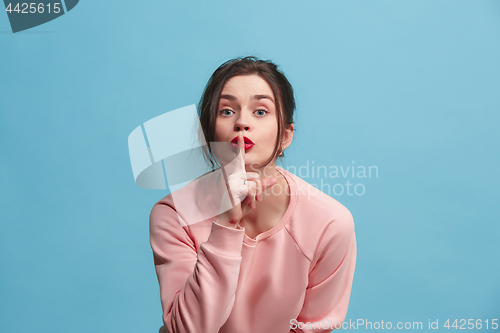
247,105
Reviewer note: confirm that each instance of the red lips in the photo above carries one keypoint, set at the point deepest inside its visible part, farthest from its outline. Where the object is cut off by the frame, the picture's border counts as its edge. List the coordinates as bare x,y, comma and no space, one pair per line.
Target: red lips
248,143
247,140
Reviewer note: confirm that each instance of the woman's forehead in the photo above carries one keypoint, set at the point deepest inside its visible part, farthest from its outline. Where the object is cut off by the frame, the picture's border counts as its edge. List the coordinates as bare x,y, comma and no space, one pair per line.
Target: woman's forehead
247,85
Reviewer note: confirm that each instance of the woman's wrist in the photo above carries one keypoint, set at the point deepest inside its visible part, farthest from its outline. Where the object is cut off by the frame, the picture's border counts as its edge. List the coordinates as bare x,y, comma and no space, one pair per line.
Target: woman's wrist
225,221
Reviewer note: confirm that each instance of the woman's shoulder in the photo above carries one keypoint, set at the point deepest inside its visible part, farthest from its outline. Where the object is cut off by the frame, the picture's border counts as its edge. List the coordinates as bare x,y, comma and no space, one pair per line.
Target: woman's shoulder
317,203
315,214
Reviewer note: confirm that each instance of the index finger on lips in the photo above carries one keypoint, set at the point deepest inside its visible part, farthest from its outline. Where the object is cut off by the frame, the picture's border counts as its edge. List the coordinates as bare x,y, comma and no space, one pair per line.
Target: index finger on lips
240,162
241,144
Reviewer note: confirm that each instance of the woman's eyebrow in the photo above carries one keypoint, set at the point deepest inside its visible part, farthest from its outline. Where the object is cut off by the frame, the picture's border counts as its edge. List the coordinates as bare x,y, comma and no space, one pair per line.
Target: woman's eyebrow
229,97
257,97
262,97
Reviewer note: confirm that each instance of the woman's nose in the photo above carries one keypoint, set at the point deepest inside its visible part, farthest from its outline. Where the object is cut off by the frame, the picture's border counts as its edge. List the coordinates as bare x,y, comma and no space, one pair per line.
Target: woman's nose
240,128
242,123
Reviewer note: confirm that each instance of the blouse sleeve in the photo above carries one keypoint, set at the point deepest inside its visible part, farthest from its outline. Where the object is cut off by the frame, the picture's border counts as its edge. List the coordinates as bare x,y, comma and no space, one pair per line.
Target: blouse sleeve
330,280
197,288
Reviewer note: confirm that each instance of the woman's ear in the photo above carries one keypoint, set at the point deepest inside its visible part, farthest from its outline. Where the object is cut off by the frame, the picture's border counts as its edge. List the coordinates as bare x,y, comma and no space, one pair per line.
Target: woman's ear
287,136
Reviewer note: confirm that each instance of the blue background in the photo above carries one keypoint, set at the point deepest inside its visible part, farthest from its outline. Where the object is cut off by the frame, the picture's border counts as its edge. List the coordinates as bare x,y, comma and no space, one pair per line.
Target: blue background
411,87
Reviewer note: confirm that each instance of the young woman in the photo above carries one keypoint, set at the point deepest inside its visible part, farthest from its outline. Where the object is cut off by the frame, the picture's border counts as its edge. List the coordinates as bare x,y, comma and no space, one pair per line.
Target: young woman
281,257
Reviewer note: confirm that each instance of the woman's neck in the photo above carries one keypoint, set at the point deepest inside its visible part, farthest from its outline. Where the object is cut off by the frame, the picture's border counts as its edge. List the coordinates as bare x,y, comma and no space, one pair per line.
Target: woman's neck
269,211
266,171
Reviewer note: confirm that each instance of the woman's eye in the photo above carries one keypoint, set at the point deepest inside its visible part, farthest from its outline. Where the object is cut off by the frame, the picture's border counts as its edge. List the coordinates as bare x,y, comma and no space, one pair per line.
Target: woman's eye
226,112
261,112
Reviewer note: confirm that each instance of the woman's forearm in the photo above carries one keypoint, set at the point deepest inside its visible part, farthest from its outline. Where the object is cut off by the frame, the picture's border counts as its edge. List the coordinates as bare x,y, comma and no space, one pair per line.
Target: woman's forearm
197,288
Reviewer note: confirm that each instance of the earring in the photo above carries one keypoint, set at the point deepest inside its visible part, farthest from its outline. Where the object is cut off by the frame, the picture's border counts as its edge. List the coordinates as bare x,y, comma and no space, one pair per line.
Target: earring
281,152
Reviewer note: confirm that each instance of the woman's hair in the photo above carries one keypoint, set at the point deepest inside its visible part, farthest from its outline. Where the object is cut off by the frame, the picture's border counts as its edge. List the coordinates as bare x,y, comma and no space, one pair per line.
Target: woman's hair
209,103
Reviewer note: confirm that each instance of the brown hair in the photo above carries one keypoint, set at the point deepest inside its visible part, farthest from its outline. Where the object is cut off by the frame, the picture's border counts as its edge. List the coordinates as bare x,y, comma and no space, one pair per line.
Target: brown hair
209,103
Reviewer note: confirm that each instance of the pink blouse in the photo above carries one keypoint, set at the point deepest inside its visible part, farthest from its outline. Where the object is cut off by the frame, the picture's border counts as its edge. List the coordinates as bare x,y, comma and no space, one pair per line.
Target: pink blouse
295,277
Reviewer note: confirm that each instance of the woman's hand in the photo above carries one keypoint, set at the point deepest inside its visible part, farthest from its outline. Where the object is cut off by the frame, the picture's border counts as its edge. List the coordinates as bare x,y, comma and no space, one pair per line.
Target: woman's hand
244,190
